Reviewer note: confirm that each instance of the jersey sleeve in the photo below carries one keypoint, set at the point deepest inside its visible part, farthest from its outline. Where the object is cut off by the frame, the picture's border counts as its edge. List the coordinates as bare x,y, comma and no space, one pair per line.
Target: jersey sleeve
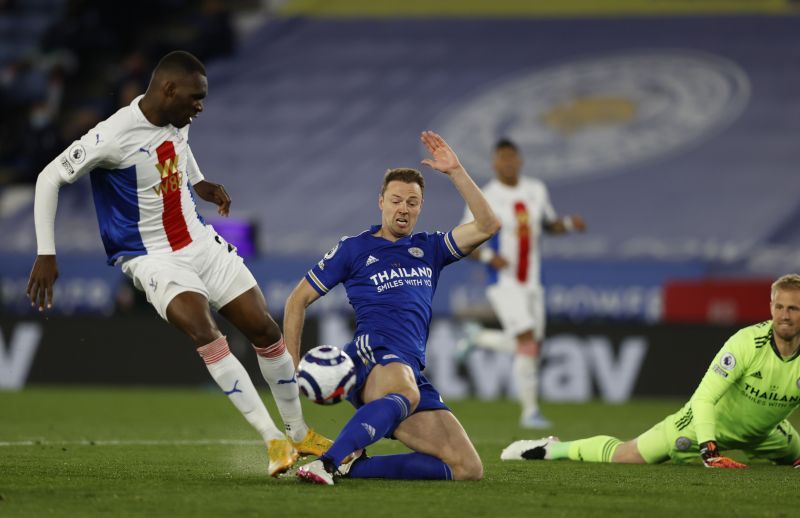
97,148
549,214
193,170
332,269
729,364
447,252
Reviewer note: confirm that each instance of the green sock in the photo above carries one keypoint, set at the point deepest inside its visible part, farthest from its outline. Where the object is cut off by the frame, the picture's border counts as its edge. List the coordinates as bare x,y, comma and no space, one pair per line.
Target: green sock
594,449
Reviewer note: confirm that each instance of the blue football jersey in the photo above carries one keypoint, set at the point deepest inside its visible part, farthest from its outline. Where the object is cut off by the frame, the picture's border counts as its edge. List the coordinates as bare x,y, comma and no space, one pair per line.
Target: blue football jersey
390,285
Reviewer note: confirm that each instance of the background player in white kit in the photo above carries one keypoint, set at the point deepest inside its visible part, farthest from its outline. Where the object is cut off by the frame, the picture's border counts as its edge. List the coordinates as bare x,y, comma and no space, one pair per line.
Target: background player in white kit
141,167
513,264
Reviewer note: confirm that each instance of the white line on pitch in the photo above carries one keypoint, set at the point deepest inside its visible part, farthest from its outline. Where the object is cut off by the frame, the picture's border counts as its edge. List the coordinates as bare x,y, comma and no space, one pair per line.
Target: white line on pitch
133,442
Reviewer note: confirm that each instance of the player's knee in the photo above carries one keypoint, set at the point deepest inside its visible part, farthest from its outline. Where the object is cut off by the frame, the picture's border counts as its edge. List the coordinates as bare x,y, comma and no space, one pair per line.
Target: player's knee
264,333
412,395
470,468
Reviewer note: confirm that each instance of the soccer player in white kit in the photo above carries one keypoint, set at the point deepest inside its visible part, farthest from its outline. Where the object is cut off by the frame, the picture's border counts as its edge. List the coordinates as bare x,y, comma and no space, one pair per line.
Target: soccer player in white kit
141,167
513,264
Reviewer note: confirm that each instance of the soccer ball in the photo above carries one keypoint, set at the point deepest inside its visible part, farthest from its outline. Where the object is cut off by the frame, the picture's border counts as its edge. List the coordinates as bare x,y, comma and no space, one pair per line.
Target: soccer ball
326,375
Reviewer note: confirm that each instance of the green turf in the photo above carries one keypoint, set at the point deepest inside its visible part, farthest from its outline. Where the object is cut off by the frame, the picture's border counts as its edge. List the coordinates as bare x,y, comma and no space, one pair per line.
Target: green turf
75,468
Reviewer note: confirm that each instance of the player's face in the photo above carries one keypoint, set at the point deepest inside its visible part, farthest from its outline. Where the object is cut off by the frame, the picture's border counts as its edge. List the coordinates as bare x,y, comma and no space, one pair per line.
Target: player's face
507,165
400,205
186,100
785,309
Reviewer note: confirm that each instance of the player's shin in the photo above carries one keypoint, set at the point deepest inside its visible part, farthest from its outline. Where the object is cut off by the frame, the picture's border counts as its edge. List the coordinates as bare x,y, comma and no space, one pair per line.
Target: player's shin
600,448
524,371
372,421
405,466
233,379
277,368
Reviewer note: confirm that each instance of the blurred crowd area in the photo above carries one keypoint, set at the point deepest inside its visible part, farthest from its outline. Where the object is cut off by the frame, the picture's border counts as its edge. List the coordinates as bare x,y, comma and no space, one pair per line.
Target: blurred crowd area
65,65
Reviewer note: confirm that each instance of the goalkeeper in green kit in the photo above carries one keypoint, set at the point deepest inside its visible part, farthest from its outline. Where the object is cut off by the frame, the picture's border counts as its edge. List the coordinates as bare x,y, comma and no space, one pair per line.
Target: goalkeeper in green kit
742,403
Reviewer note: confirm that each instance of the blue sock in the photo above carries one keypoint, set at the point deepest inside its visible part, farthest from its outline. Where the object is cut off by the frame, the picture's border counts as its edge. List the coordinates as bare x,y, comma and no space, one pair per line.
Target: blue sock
368,425
405,466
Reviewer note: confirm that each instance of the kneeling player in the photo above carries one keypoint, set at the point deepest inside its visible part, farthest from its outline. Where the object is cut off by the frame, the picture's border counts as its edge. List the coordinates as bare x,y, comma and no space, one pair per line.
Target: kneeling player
390,276
742,403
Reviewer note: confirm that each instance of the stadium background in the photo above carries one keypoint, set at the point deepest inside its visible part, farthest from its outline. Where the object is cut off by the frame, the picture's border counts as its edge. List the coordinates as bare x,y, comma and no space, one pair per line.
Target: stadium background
671,126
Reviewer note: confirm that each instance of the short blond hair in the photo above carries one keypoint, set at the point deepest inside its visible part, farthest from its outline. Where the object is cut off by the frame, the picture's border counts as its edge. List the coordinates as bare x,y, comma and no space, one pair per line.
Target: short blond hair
790,281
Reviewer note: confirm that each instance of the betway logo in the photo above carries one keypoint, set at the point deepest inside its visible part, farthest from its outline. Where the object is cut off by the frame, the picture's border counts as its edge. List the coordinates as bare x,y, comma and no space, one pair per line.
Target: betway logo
400,273
17,357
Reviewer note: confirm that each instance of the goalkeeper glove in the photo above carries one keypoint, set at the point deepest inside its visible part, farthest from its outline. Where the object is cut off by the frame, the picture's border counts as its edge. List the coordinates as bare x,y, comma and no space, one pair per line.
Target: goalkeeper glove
796,464
712,459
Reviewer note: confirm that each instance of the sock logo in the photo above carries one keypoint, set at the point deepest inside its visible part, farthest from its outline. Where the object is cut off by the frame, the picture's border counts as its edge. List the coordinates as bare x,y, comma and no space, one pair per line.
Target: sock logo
286,382
370,430
233,390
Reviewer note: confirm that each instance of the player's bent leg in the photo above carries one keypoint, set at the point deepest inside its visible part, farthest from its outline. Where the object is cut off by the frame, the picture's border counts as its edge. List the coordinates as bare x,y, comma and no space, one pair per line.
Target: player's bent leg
390,395
781,446
439,434
248,312
189,312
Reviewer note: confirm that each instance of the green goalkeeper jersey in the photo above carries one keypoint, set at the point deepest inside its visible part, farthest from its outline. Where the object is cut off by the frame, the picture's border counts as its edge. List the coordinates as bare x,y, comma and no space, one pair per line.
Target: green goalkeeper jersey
747,390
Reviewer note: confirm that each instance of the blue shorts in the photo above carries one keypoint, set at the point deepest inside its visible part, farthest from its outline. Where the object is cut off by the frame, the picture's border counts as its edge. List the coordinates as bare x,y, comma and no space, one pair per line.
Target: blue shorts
366,356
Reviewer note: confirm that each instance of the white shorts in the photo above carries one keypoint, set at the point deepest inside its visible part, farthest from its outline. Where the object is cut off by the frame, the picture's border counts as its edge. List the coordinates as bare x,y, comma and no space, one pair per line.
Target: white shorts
518,308
208,266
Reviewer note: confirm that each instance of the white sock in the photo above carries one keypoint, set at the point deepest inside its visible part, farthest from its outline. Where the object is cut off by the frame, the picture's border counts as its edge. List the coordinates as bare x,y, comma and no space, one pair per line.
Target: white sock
524,371
232,378
277,367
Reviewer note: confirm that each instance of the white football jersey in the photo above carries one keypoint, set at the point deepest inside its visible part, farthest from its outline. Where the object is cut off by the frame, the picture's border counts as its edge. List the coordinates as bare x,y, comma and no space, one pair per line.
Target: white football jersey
522,210
140,176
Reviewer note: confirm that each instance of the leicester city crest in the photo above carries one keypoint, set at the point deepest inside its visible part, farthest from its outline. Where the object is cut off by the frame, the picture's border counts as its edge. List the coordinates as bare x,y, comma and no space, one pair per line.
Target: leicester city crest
416,252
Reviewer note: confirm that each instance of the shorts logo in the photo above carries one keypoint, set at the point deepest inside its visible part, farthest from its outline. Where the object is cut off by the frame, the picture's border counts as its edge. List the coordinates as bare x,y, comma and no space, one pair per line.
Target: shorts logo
67,166
416,252
728,362
798,383
683,443
77,154
153,283
390,357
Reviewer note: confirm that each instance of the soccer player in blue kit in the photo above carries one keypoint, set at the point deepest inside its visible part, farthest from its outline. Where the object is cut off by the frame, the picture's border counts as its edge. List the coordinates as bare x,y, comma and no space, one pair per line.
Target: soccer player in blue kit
390,275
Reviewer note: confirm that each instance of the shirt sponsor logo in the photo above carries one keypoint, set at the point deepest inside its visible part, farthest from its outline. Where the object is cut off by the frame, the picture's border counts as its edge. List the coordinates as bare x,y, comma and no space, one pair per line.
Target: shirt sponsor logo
67,166
728,362
396,277
416,252
76,154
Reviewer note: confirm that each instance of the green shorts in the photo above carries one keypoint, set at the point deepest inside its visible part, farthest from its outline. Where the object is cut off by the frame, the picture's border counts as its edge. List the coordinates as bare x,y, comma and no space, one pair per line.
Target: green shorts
675,438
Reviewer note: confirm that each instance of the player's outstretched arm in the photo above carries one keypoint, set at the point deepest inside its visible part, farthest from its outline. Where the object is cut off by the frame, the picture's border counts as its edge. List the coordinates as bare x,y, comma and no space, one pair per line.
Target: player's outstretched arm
486,224
294,316
214,193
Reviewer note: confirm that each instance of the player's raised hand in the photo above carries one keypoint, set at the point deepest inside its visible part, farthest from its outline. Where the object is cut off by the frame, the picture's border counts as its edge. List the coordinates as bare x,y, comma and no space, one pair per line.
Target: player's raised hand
712,459
40,283
444,159
216,194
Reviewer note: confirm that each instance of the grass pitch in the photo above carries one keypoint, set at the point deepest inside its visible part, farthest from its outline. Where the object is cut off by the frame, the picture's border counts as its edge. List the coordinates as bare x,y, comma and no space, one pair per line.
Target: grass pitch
165,452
